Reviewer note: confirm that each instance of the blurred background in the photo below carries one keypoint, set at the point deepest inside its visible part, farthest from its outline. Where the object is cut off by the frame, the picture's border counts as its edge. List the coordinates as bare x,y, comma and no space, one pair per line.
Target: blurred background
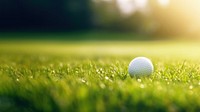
100,19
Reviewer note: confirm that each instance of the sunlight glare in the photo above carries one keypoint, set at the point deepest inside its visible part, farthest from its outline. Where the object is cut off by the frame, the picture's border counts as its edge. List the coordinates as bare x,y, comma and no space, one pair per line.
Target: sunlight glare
141,3
130,6
126,6
163,2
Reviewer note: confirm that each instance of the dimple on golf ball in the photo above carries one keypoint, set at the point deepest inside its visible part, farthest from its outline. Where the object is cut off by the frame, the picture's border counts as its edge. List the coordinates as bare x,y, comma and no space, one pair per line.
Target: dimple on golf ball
140,66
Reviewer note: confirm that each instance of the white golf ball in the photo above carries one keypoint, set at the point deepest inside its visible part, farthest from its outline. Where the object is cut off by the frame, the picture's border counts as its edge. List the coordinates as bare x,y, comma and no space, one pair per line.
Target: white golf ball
140,66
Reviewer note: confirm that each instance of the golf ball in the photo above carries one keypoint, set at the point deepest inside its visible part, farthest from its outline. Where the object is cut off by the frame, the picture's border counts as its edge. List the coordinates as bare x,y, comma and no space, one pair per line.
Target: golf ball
140,66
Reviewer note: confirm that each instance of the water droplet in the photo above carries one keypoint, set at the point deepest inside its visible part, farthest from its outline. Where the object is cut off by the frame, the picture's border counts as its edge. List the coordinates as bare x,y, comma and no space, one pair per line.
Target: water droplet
31,77
83,81
102,85
142,86
139,80
107,78
191,87
98,71
168,83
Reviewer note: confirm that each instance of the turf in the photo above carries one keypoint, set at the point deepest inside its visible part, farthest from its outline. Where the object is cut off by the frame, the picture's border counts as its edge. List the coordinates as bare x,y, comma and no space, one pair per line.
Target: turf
92,76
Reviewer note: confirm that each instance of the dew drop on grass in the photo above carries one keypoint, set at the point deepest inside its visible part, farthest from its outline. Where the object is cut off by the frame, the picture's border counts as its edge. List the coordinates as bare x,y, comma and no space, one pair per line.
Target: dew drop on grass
106,77
102,85
53,71
83,81
31,77
98,71
142,86
139,80
190,87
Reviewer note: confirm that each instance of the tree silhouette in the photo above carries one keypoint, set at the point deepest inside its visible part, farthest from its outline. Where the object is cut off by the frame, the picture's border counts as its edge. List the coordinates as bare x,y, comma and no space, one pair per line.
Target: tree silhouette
44,14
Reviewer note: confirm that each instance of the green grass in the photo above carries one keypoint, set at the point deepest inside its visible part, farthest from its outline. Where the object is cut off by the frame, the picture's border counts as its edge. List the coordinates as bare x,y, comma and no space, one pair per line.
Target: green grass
92,76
